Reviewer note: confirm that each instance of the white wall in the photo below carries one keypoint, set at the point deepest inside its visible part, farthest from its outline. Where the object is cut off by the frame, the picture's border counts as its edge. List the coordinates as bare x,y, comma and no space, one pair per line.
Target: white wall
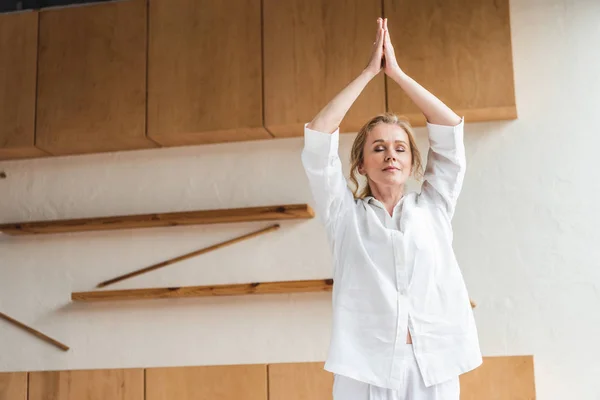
526,235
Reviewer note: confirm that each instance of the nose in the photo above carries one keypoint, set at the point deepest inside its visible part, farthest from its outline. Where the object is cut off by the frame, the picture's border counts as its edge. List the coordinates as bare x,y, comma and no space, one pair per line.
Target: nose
390,157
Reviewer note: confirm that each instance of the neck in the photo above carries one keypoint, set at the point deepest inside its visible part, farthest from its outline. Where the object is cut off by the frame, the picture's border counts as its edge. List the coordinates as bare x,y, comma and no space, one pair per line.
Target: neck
389,196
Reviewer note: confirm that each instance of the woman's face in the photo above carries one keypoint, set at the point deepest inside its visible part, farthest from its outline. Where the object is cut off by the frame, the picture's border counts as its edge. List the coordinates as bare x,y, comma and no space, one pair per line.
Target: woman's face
387,159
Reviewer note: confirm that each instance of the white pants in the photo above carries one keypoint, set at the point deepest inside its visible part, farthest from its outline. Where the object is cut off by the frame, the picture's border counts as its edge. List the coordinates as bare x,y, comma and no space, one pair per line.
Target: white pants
345,388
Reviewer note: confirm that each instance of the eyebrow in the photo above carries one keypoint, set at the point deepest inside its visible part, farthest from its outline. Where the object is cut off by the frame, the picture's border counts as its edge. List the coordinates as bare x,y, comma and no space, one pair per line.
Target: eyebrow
383,141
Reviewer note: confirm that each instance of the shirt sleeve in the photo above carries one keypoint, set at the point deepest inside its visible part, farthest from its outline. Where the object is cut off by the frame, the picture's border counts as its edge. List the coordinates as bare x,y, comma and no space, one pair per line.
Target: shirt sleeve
323,168
446,165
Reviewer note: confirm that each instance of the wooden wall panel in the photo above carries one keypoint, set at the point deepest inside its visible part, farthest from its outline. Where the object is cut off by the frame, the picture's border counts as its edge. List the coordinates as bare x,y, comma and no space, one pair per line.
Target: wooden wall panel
13,385
122,384
226,382
18,66
460,50
92,78
500,378
300,381
312,50
205,72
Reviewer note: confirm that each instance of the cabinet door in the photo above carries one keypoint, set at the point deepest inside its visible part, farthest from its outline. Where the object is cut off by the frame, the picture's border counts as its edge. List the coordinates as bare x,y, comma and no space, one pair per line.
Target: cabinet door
223,382
205,72
92,78
459,50
299,381
123,384
13,385
18,65
313,49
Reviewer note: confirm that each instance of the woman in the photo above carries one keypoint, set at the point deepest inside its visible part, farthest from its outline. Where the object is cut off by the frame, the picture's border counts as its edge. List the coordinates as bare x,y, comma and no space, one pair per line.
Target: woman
402,327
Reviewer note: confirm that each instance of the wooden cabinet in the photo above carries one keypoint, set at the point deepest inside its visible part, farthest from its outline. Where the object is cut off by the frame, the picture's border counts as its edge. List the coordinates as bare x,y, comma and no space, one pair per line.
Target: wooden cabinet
13,385
136,74
205,72
223,382
312,50
18,61
92,78
123,384
459,50
299,381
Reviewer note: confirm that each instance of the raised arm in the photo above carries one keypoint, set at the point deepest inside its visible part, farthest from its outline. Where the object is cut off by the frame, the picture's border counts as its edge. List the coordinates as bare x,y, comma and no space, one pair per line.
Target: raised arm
446,161
320,156
330,117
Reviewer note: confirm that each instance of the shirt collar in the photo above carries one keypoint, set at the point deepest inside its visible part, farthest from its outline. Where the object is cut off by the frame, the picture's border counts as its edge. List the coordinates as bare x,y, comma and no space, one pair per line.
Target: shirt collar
372,200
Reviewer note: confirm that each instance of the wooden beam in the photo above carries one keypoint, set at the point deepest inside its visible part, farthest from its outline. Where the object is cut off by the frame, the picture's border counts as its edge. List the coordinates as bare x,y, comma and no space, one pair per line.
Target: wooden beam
219,216
34,332
319,285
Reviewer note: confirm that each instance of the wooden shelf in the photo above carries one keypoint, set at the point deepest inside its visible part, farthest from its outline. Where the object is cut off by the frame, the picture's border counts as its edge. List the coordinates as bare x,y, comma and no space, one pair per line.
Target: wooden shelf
219,216
319,285
307,286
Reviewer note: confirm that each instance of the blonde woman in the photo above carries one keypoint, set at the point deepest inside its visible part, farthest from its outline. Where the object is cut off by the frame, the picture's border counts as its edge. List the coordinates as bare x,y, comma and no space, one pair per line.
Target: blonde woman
402,325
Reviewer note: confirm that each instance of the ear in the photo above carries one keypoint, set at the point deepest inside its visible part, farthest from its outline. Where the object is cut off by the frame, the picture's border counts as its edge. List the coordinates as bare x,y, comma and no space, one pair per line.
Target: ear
361,169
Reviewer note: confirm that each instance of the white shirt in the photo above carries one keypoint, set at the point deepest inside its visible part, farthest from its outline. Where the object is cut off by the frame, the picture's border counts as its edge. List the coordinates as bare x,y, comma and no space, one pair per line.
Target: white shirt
396,274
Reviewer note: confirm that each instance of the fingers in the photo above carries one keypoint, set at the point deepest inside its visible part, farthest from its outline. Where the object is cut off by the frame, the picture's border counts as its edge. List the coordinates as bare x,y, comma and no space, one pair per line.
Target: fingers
382,33
387,41
380,37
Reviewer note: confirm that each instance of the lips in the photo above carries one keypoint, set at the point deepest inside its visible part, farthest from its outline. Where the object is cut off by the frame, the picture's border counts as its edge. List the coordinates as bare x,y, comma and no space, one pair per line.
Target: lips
391,169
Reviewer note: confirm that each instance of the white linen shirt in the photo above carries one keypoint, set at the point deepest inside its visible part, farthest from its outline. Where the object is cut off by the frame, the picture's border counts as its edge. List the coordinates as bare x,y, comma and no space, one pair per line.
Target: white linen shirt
393,274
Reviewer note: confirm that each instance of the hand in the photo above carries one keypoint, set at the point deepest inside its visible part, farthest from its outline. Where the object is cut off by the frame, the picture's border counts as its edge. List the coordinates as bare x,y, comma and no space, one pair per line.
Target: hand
390,64
376,60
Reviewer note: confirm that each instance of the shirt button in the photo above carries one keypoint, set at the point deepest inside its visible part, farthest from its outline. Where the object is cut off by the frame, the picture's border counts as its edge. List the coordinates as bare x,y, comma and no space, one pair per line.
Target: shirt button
403,292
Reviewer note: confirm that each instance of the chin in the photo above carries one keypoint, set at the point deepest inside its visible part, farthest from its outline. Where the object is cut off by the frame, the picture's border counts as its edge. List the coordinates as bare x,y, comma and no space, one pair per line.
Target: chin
393,181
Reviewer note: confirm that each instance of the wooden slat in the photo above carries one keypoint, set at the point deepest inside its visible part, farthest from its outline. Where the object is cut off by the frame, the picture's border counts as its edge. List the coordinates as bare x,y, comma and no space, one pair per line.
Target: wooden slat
319,285
460,50
223,382
34,332
13,385
205,72
500,378
122,384
300,381
195,253
92,78
18,66
268,213
312,50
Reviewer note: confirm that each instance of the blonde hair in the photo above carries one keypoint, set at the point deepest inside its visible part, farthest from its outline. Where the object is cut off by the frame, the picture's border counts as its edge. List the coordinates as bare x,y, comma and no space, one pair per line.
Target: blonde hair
357,153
